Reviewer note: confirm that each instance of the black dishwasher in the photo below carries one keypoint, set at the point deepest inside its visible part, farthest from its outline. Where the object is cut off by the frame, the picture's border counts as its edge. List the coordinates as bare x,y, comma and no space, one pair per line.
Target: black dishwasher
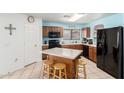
86,51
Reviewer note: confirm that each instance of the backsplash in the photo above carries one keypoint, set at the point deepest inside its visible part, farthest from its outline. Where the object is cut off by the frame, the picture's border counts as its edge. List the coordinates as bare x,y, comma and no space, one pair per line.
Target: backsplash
61,40
47,40
106,21
66,26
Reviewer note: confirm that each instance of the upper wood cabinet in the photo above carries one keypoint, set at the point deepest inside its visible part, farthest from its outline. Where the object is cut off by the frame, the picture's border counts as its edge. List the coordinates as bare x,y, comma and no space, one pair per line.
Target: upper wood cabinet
86,32
44,47
47,29
60,29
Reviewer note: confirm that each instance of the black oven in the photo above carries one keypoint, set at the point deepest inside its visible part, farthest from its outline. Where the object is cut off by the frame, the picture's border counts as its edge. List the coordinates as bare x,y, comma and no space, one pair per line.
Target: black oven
54,35
54,43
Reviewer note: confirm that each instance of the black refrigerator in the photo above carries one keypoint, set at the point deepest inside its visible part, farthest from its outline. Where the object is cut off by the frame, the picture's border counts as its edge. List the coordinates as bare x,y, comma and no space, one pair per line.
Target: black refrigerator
110,51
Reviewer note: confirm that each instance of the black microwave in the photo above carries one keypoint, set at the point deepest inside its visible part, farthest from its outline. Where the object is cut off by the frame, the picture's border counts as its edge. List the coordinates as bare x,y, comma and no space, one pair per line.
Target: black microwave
54,35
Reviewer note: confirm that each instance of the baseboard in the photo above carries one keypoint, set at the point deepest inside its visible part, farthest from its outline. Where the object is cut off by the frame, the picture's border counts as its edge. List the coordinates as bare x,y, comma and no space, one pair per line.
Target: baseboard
29,64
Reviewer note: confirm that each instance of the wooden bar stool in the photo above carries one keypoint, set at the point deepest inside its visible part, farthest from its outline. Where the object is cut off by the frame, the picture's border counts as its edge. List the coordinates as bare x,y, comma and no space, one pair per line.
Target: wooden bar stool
59,71
81,63
47,68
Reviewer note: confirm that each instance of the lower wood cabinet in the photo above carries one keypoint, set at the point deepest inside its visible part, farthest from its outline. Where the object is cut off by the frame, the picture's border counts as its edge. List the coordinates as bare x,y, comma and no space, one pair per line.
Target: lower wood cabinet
92,53
44,56
92,50
44,47
79,47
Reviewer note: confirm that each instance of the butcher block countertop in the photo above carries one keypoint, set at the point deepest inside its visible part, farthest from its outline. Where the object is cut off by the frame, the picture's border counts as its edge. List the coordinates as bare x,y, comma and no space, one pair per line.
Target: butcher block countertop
63,52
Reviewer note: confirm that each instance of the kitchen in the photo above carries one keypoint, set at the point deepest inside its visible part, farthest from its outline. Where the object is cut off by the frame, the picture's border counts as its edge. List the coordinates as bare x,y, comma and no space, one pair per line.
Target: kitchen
89,47
85,55
74,36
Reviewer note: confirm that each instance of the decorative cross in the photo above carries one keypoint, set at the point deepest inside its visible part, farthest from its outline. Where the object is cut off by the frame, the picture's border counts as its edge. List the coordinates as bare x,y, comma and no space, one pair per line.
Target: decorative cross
10,28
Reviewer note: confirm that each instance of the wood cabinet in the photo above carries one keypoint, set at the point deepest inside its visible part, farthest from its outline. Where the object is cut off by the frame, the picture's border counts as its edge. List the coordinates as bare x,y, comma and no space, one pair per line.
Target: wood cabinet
44,47
61,31
44,56
65,46
86,32
47,29
78,47
92,53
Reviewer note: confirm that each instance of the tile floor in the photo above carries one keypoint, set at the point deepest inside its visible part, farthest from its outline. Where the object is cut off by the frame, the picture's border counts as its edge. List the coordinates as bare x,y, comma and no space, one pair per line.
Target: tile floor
34,72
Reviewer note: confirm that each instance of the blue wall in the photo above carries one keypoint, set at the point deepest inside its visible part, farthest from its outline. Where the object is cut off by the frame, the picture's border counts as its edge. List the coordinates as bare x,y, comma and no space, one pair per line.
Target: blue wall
108,22
66,26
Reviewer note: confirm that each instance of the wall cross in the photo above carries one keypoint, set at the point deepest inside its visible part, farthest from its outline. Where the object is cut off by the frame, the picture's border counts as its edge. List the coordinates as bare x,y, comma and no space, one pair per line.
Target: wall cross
10,28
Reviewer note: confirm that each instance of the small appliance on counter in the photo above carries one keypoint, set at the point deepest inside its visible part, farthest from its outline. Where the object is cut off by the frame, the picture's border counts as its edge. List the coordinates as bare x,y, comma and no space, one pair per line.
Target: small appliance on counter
45,42
90,41
85,40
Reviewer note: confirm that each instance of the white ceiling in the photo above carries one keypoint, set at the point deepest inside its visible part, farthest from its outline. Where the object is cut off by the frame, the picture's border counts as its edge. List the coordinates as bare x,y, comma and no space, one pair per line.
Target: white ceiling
59,17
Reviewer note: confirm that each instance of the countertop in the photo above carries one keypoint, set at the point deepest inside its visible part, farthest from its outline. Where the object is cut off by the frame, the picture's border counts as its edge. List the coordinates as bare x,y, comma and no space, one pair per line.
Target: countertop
72,44
92,45
63,52
44,44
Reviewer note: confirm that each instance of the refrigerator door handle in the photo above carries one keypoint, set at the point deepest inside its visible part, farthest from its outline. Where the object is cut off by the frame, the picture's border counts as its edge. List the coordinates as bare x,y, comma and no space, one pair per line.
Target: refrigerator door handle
117,39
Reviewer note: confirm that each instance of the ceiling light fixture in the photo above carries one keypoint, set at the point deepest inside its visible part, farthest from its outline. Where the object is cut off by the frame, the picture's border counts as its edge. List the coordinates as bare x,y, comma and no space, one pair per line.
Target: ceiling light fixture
76,17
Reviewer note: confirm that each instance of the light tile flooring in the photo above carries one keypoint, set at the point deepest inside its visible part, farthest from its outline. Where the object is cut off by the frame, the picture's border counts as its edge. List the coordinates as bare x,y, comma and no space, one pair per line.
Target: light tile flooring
34,72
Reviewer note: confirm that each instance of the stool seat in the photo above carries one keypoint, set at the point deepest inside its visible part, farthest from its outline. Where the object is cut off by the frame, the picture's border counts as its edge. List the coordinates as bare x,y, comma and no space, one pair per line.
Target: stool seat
59,66
82,62
48,62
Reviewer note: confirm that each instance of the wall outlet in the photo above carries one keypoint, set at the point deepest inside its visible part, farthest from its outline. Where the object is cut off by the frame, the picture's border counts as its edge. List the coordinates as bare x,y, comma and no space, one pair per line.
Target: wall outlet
8,73
16,59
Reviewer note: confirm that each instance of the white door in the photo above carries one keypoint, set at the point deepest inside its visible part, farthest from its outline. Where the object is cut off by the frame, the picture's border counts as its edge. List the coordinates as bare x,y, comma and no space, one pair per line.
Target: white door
32,43
11,46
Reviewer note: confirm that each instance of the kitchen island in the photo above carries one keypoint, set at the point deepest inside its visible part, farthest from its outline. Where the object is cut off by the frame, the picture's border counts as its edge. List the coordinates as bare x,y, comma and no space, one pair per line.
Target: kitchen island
64,55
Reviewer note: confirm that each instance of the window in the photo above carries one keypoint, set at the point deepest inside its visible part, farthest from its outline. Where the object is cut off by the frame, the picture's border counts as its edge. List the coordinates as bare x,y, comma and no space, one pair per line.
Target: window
75,34
71,34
